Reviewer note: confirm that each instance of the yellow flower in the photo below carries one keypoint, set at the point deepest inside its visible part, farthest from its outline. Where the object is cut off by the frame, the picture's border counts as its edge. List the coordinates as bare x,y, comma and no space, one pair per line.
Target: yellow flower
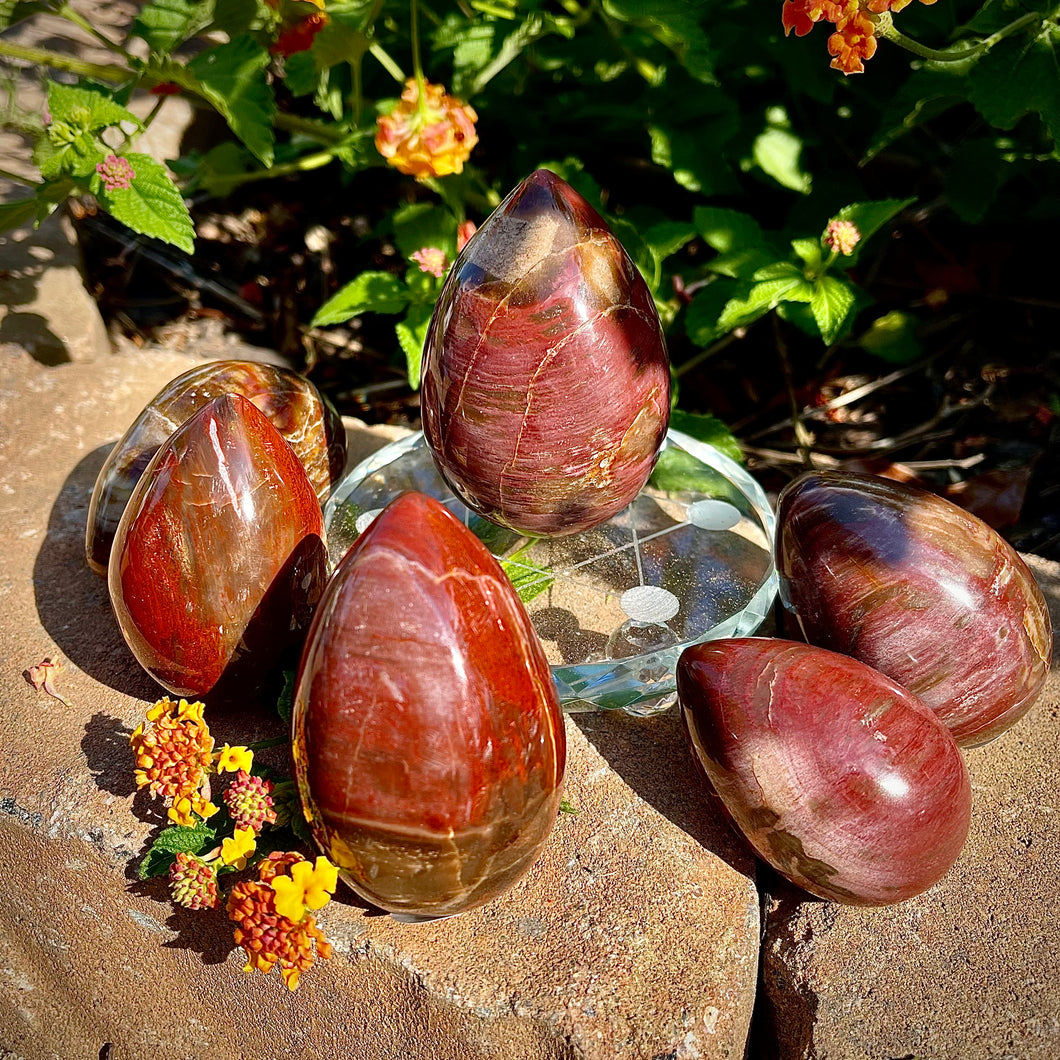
185,806
233,759
236,850
308,886
431,136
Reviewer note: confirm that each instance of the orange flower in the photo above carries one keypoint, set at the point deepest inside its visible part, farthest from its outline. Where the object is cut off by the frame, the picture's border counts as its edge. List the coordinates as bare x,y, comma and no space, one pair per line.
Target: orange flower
173,755
267,937
854,40
428,136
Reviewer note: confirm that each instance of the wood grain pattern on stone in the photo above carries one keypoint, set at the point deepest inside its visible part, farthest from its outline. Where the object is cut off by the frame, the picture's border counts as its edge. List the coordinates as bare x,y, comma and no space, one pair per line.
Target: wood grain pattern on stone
635,936
919,589
292,404
546,383
840,779
219,558
968,969
428,735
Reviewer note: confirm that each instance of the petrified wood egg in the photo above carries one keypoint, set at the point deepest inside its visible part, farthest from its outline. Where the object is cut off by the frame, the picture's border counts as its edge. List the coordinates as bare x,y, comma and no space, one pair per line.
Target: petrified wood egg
546,383
841,779
294,406
220,556
428,740
918,589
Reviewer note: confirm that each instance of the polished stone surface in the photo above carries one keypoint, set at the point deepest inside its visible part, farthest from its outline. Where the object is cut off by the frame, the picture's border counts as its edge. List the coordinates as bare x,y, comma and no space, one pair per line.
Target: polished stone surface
219,558
294,406
546,381
841,780
918,589
428,737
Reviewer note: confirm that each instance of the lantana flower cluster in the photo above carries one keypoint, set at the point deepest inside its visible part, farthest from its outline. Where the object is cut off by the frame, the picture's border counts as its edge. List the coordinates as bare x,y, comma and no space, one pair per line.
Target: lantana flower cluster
428,133
297,28
175,758
854,39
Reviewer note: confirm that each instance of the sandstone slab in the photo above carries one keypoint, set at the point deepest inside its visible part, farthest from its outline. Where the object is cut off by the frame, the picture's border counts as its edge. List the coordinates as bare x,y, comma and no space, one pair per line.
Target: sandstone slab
634,936
968,969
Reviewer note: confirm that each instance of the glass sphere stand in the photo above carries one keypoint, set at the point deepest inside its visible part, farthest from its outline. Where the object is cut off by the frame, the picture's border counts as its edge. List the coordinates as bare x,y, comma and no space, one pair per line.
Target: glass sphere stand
614,606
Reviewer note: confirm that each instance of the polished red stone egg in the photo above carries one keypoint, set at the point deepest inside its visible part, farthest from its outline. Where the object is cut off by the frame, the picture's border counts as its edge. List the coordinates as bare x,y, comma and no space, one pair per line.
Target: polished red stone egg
220,556
428,741
920,590
546,382
841,780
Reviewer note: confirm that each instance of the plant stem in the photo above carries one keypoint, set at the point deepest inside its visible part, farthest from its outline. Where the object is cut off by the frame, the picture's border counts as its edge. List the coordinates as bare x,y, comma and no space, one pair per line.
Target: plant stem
67,12
275,741
379,53
959,51
42,57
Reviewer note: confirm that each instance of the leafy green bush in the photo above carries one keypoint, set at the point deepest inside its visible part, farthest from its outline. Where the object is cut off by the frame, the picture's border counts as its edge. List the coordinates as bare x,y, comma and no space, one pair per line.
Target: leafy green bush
719,148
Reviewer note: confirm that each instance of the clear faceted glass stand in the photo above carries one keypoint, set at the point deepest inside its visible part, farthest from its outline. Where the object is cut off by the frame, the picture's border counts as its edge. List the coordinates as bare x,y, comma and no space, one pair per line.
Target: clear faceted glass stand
689,560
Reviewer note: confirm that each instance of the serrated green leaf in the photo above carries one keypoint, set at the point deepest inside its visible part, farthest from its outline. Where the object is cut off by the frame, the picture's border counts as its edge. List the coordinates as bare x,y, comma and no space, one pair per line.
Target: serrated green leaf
16,213
232,77
701,316
693,157
727,230
165,24
779,152
707,429
831,303
176,839
1019,75
778,270
370,292
234,17
87,109
412,334
674,24
668,237
153,205
528,580
285,700
763,297
808,250
973,177
870,217
678,471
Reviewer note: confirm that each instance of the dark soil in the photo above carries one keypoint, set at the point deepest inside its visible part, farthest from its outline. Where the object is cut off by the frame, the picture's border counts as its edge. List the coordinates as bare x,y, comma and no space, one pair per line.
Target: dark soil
976,417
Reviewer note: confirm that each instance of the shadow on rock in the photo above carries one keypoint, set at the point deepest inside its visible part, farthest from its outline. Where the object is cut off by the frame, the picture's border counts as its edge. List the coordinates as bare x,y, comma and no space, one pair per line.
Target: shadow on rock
72,601
651,755
109,756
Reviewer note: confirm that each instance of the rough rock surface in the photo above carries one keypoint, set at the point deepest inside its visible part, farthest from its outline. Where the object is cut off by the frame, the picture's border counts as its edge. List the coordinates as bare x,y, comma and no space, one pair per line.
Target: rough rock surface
635,935
969,969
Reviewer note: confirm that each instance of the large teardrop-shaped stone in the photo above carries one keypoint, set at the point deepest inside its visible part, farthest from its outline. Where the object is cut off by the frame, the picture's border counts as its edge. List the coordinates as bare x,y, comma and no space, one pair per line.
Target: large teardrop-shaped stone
428,740
546,383
919,589
839,778
220,556
294,406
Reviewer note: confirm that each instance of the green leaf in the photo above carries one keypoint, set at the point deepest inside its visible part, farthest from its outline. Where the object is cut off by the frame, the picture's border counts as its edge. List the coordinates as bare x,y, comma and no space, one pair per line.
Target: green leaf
808,250
673,23
165,24
87,109
668,237
528,580
1019,75
778,151
870,217
412,334
707,429
831,303
176,839
424,224
678,471
743,248
232,77
892,337
701,317
17,213
693,158
12,11
153,205
285,700
371,292
764,296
